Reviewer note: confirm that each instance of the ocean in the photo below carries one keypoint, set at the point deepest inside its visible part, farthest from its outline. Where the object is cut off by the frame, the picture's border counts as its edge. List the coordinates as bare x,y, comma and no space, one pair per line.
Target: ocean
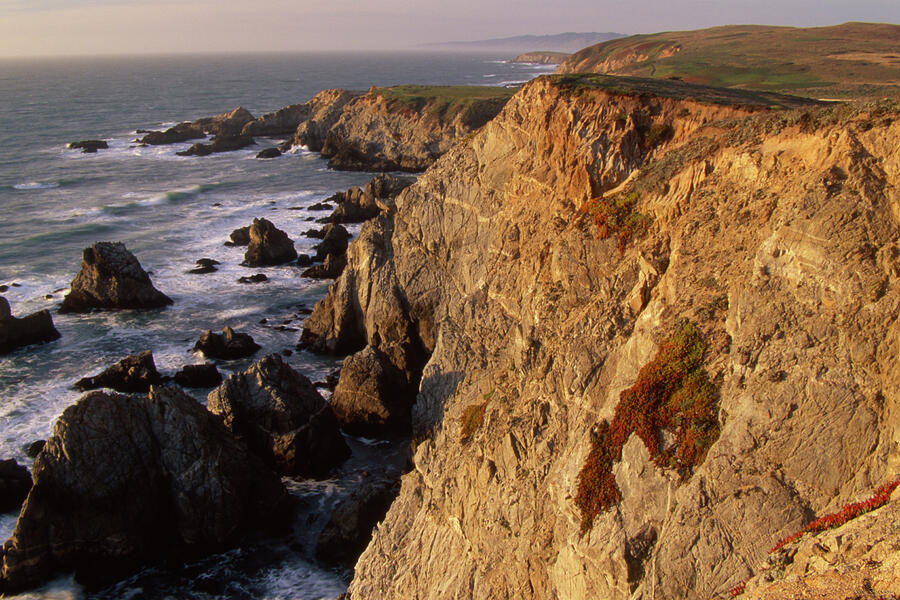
171,211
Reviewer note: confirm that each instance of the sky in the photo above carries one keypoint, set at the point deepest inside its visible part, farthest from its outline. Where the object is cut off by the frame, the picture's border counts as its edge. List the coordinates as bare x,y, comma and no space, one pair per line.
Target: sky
87,27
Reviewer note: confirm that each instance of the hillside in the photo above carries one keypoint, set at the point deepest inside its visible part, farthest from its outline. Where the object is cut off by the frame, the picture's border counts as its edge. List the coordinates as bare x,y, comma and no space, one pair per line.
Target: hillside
853,60
653,334
559,42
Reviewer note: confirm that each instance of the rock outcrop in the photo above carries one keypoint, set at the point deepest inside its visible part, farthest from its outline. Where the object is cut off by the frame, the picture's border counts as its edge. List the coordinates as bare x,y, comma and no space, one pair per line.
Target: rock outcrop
15,483
111,278
357,205
335,239
225,125
283,121
528,278
268,245
198,376
220,143
89,146
227,345
239,237
541,57
324,110
126,479
35,328
281,417
135,373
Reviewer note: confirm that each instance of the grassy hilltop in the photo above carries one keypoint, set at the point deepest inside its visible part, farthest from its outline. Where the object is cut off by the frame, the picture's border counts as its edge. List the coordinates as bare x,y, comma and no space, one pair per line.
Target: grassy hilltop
853,60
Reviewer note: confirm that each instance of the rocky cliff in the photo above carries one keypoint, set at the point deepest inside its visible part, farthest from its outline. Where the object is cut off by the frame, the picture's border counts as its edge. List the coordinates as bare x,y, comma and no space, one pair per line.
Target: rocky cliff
542,275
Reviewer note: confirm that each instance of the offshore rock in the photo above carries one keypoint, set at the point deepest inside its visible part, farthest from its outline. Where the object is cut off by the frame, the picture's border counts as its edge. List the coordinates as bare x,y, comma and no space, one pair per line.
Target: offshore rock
89,146
220,143
268,153
268,245
127,479
227,345
239,237
204,265
198,376
111,278
281,417
372,398
335,239
182,132
283,121
15,482
331,267
131,374
35,328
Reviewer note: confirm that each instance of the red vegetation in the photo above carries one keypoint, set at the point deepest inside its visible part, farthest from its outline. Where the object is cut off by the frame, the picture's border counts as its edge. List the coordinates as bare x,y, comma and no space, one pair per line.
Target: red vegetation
672,393
738,589
617,216
847,513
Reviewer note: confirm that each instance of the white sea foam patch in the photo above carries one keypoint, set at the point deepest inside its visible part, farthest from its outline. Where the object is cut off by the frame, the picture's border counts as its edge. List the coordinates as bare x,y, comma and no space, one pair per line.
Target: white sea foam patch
35,185
282,583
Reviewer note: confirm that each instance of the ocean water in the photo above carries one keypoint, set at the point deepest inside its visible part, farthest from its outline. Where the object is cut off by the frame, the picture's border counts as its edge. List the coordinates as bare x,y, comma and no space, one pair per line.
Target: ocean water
170,211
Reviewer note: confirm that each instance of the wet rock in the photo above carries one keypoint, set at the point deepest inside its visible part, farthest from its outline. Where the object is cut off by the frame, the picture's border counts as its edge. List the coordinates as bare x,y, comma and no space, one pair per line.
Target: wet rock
131,374
15,482
226,345
336,240
281,417
304,260
128,479
316,234
330,269
372,397
218,144
89,146
182,132
258,278
269,153
35,328
198,376
111,278
239,237
350,527
320,206
204,265
34,448
268,245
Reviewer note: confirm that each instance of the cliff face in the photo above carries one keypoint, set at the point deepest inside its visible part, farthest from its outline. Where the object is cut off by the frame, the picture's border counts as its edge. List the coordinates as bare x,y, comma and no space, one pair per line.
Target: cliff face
775,235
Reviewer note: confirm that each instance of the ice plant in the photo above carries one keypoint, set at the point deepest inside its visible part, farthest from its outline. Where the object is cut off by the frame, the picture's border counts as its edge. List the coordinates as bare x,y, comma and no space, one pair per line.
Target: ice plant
672,394
847,513
738,589
616,216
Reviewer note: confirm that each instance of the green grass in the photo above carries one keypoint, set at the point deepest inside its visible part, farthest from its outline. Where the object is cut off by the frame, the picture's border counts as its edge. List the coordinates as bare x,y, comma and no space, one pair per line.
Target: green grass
474,105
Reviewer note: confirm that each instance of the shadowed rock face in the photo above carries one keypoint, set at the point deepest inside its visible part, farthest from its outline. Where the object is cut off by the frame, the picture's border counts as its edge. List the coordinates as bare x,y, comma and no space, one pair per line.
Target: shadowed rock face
268,245
126,479
131,374
282,418
111,278
227,345
35,328
15,482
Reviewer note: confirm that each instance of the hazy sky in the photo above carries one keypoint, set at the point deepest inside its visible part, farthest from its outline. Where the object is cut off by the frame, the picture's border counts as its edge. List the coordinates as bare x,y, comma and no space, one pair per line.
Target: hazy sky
70,27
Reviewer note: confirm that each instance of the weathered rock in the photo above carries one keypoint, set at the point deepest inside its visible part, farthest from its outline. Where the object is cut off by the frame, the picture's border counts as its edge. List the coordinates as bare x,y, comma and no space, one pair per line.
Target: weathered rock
331,268
325,108
281,417
268,245
316,234
373,398
204,265
358,205
182,132
15,482
239,237
35,328
220,143
227,345
111,278
127,479
89,146
34,448
334,242
131,374
320,206
349,529
283,121
198,376
226,125
269,153
258,278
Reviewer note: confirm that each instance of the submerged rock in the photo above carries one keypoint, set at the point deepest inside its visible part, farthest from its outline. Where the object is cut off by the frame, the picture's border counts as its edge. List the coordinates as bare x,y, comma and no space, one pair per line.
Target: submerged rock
268,153
204,265
281,417
268,245
111,278
89,146
220,143
128,479
198,376
35,328
131,374
226,345
15,483
258,278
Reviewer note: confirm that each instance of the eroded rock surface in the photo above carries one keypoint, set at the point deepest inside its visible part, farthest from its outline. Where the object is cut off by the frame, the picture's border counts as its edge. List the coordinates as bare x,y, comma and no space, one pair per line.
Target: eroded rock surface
111,278
357,205
282,418
268,245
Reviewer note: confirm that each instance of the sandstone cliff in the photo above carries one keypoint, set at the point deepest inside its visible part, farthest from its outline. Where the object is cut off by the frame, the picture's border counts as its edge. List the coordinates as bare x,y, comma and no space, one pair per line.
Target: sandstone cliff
530,275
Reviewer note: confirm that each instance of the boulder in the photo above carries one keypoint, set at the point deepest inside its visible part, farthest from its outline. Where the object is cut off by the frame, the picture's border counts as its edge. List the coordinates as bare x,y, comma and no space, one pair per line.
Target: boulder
268,153
204,265
89,146
182,132
281,417
220,143
15,482
336,240
268,245
373,398
128,479
227,345
198,376
331,268
131,374
304,260
35,328
239,237
111,278
258,278
350,527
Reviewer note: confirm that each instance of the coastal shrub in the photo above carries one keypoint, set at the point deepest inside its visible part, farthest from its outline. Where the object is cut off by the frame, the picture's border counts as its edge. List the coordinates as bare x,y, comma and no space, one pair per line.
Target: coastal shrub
847,513
616,216
672,394
658,133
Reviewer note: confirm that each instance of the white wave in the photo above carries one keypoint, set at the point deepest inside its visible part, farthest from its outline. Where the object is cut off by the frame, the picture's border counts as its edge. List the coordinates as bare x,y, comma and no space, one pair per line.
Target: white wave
34,185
